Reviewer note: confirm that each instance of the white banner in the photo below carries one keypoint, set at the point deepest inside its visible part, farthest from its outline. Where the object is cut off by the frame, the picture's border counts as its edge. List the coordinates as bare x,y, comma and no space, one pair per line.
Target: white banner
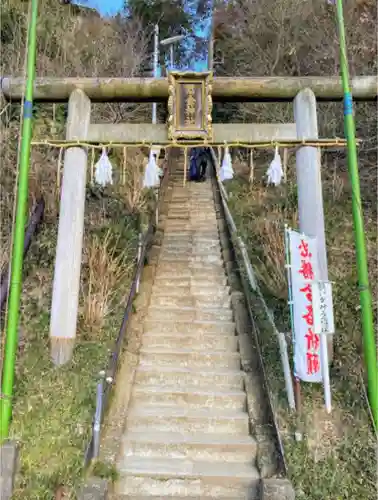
304,272
323,307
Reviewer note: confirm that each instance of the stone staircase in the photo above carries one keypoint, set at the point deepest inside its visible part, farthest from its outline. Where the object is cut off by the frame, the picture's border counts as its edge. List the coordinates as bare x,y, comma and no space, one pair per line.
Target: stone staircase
187,432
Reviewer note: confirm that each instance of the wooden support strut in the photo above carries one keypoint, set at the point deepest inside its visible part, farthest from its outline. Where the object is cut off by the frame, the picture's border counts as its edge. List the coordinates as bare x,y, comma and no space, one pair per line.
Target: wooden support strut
364,88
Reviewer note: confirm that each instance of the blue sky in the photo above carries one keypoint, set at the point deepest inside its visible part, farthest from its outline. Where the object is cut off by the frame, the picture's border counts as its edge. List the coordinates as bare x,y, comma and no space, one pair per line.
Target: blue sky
111,7
105,7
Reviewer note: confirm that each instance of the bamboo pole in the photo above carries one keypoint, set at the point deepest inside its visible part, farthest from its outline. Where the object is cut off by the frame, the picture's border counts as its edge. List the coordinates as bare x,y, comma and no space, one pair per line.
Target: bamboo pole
11,340
362,264
225,89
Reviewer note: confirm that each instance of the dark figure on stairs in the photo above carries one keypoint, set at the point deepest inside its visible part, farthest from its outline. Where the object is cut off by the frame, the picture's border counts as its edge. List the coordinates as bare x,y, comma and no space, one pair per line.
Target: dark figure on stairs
198,164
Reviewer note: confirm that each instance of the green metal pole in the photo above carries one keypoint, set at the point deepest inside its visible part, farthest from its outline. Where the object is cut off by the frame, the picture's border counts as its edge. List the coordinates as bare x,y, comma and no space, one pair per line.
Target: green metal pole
11,341
362,265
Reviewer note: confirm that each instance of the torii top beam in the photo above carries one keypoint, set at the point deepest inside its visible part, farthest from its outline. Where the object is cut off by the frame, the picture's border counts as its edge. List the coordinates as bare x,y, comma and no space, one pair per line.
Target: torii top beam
225,89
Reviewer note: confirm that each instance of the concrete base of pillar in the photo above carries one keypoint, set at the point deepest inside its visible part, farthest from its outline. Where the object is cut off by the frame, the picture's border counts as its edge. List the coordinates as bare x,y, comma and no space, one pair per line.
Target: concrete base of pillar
8,468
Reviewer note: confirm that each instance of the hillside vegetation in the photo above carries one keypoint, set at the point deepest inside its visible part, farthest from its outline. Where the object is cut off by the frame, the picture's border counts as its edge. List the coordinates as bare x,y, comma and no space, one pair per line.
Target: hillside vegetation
54,407
337,459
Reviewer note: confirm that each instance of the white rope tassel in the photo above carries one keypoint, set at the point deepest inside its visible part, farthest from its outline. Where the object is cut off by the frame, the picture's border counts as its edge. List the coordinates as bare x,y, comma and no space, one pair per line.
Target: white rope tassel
275,172
155,150
151,175
104,170
226,171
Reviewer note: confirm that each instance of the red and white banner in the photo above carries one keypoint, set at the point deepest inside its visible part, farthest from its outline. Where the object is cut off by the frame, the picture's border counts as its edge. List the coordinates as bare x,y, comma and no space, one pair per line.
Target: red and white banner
304,272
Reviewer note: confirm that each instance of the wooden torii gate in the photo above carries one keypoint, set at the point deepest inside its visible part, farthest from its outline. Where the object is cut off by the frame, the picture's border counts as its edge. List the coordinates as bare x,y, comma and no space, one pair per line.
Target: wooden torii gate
190,98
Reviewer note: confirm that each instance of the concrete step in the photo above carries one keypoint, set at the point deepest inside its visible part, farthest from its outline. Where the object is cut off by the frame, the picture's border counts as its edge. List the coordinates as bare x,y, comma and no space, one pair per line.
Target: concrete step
136,496
203,447
171,290
194,327
195,227
191,205
178,276
205,196
191,222
193,258
191,268
189,236
188,242
176,378
201,190
194,234
184,478
189,251
190,397
189,279
193,210
191,246
181,192
204,214
176,419
196,261
189,314
220,342
175,215
204,302
194,275
205,360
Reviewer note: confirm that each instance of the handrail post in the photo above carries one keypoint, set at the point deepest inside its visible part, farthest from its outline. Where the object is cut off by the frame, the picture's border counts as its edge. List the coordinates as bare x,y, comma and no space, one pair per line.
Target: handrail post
139,255
97,419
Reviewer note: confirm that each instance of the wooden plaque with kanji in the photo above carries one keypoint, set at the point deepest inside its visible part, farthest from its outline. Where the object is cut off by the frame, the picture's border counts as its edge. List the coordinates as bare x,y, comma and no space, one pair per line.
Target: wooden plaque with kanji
189,106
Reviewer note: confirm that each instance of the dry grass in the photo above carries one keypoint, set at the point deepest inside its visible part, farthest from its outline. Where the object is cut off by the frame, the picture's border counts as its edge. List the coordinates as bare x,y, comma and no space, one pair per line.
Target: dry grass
131,183
4,256
71,45
105,270
271,268
288,37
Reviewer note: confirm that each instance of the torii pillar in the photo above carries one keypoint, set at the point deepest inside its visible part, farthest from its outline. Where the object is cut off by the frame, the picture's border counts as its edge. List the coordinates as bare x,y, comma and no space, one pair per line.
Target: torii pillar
65,297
